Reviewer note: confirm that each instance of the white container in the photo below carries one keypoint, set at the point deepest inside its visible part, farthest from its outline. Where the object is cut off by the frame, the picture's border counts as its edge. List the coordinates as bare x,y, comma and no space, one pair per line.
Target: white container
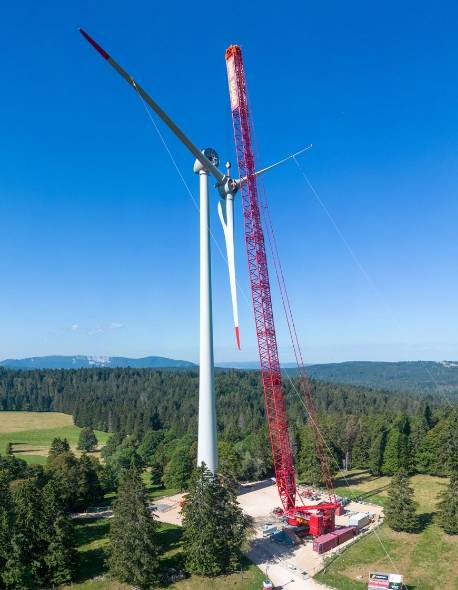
360,519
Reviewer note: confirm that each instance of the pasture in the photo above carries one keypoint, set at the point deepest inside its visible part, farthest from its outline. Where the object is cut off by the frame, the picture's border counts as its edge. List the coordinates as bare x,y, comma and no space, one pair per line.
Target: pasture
31,433
428,559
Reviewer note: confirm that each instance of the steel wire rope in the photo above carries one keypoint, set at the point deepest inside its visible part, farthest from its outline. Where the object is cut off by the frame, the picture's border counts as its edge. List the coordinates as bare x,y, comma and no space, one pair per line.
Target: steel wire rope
363,270
287,309
188,190
341,471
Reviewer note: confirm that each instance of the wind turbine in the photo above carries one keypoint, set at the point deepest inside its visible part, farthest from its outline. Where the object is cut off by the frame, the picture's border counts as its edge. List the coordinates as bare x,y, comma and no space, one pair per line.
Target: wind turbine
206,163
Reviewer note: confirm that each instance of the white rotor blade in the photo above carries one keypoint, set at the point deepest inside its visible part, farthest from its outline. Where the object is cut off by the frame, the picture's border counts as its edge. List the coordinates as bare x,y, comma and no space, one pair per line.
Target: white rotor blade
239,181
227,221
197,153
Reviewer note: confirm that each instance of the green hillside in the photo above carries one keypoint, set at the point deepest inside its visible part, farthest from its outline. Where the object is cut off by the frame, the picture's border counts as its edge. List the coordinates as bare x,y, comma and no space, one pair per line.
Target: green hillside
423,377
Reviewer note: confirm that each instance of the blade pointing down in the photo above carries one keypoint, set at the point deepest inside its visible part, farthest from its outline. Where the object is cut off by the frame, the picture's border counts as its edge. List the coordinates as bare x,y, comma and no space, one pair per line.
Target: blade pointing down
227,221
197,153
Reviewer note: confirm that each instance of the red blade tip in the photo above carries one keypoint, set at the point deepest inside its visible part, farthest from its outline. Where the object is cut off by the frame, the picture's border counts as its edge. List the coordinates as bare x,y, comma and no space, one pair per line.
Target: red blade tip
94,44
237,336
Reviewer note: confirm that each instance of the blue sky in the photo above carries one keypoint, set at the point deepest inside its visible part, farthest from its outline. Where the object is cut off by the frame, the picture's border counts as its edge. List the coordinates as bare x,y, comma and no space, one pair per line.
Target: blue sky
98,236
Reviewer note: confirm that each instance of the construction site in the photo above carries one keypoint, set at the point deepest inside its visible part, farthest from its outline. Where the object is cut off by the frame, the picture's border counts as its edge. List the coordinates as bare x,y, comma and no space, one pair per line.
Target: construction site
289,554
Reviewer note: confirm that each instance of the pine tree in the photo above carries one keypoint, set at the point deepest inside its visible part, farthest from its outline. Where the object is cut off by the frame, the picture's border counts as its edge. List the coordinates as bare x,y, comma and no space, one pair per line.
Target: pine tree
228,460
58,532
376,451
448,507
87,440
431,456
89,488
157,473
400,507
360,453
28,540
396,453
419,431
58,447
149,445
179,469
134,551
215,528
451,443
308,465
6,521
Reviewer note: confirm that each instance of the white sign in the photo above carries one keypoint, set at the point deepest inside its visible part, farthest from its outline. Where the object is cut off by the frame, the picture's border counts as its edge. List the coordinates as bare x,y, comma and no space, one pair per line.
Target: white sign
379,581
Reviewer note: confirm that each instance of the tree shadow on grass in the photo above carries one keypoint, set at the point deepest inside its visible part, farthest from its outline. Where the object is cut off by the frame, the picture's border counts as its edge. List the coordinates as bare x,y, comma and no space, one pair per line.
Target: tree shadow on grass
374,492
353,479
170,538
177,562
424,520
88,531
91,562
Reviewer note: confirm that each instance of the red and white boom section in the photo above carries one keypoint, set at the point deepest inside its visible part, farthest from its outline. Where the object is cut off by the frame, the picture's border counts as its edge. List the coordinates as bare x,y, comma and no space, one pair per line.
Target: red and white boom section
263,313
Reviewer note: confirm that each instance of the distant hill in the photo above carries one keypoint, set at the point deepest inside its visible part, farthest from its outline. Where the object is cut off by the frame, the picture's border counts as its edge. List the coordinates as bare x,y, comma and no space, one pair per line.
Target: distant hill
250,365
422,377
427,377
87,362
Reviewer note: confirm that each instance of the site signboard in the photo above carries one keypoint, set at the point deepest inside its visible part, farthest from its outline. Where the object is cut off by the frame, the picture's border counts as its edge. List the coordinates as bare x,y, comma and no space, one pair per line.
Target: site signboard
380,581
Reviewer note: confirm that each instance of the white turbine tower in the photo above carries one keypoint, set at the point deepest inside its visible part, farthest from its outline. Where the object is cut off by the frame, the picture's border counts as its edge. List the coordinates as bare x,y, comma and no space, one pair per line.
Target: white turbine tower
206,163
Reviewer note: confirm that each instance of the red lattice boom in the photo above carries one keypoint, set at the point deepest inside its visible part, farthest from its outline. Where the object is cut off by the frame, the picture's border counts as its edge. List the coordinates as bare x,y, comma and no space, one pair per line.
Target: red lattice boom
260,285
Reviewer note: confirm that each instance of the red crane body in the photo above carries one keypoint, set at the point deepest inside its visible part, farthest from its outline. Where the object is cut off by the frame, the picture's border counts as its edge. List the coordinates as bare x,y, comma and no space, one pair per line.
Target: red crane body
260,284
264,319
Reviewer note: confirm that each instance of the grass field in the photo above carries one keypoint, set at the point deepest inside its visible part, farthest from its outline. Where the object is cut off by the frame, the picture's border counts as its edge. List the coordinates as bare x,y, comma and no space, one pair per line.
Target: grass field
92,539
31,433
428,560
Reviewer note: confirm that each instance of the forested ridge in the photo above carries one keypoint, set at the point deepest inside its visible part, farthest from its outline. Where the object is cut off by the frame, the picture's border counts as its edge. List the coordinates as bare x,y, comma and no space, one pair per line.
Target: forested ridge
421,377
378,430
133,400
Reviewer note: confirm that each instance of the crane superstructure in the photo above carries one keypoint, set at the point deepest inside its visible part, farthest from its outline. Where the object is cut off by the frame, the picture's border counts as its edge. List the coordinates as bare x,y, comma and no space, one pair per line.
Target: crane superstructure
320,518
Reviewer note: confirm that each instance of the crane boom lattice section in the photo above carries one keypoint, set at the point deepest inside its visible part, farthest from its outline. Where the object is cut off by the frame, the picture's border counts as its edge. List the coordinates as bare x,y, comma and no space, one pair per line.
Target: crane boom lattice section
260,285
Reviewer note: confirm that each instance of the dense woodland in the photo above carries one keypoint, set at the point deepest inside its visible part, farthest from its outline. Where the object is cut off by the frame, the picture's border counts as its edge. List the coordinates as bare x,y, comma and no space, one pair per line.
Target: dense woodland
152,415
378,430
134,400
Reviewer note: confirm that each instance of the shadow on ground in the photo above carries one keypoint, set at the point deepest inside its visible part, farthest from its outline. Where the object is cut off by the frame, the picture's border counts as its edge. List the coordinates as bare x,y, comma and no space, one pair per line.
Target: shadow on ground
424,520
253,487
91,561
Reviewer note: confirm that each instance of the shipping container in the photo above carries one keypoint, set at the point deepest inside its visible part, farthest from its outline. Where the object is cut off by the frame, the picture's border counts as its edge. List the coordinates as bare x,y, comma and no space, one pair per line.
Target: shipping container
325,543
345,534
359,519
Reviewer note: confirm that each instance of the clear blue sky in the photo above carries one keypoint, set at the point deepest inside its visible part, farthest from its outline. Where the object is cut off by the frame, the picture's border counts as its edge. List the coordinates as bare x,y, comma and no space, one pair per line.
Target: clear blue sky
98,237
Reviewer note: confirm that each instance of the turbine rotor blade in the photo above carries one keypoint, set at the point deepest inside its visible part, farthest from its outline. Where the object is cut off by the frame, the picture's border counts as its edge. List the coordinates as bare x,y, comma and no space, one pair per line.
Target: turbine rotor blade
227,221
197,153
239,181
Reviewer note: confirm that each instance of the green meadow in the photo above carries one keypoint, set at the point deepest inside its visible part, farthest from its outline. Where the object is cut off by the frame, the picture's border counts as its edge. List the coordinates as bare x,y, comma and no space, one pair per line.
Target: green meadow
31,433
428,559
